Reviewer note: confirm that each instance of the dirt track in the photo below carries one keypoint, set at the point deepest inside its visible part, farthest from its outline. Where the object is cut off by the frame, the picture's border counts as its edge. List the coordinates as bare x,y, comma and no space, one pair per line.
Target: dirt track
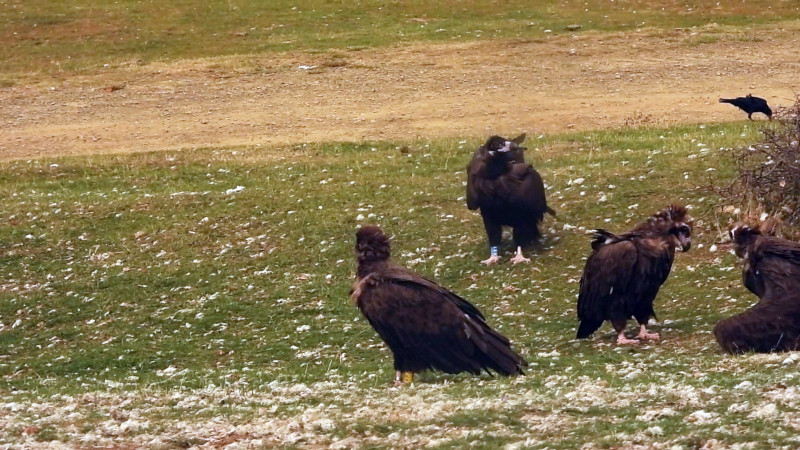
582,81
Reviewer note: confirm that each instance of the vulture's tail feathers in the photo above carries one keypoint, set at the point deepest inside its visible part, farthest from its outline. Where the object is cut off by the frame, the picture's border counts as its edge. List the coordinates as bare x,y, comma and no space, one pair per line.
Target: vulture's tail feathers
496,352
587,327
601,237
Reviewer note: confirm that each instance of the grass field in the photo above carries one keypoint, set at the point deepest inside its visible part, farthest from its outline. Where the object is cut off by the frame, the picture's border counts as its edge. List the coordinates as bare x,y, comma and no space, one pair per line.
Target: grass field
182,298
42,36
200,297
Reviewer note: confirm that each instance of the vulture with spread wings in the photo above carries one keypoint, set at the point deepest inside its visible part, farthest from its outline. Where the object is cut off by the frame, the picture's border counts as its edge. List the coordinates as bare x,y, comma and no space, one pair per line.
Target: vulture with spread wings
624,273
425,325
509,192
772,272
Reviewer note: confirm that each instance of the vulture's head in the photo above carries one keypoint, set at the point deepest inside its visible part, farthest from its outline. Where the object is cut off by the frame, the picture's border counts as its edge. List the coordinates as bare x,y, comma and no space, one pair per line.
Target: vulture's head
503,149
742,237
497,144
371,244
672,222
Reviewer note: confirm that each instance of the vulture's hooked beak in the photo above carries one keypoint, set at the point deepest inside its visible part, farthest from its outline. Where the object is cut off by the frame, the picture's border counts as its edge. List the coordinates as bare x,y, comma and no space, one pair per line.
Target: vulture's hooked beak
686,242
505,148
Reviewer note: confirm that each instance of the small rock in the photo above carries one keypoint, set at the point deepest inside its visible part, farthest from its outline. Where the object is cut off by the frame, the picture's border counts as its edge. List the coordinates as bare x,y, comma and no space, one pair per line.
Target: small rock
573,27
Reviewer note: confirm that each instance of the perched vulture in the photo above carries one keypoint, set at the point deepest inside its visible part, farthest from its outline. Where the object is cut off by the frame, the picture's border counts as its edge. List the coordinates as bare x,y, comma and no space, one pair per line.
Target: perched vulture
425,325
624,273
750,105
508,192
772,272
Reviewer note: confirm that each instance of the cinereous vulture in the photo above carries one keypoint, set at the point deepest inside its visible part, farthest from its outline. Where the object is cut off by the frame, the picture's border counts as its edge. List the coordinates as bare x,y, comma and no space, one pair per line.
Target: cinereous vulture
424,325
772,272
624,273
509,192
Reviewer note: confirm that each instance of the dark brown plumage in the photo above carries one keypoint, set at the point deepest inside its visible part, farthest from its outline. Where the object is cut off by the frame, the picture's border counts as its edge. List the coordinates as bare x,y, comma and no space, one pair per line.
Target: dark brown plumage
425,325
508,192
772,272
624,272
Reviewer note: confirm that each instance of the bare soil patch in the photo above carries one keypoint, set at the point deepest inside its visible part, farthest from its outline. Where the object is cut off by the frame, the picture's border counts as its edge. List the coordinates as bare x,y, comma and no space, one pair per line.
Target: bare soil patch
580,81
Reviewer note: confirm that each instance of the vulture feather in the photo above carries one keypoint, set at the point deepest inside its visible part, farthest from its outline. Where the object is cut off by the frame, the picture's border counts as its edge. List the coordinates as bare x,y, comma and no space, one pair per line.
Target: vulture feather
772,272
424,325
508,191
624,273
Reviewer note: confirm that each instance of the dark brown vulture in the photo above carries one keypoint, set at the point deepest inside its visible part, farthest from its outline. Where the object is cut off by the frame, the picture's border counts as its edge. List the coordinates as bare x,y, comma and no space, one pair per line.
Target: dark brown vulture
624,273
509,192
772,272
425,325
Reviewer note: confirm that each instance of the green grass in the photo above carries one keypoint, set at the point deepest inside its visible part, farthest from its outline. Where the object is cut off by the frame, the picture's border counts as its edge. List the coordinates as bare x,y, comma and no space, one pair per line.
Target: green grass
141,294
52,37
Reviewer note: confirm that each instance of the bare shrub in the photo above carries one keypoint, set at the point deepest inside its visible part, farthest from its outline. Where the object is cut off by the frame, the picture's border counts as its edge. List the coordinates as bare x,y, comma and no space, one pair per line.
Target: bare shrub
768,172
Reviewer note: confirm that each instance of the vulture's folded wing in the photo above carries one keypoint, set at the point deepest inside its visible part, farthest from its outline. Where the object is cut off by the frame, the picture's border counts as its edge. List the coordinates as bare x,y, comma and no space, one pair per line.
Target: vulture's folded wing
439,327
609,272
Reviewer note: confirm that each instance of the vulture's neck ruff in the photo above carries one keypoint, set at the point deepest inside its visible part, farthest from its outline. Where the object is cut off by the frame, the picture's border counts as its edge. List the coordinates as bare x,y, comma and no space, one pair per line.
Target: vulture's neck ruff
372,248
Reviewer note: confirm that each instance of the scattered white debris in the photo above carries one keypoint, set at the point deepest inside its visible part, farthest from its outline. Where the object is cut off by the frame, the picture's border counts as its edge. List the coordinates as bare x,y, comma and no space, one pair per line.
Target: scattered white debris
702,417
765,411
655,431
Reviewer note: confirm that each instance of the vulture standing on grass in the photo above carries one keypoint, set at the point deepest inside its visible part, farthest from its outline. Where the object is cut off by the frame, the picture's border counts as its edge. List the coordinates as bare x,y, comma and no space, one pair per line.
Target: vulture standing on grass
624,273
772,272
425,325
750,105
509,192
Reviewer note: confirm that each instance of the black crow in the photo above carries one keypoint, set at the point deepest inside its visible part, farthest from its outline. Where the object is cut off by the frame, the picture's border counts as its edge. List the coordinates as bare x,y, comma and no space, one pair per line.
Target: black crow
750,105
